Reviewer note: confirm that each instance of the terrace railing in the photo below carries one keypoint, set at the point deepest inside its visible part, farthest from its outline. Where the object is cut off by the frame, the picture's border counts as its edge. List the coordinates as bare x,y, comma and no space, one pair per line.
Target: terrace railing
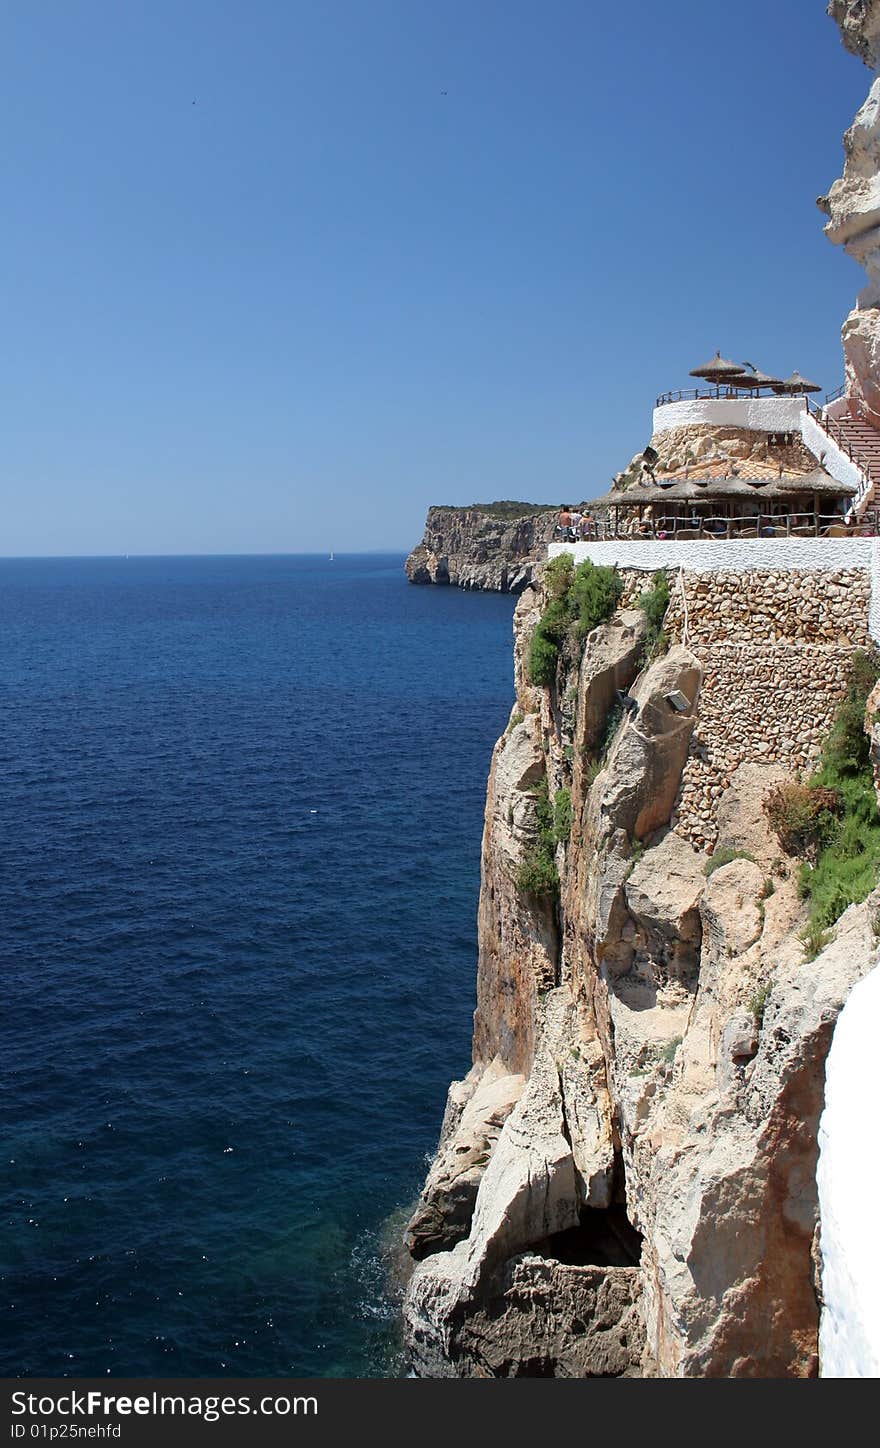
709,394
718,529
695,394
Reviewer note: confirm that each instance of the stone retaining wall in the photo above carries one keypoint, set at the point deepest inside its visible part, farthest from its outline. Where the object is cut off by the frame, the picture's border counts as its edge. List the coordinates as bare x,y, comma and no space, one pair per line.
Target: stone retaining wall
775,649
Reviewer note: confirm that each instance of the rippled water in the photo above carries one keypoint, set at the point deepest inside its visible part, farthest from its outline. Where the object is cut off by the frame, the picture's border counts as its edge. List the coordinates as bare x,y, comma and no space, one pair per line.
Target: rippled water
240,815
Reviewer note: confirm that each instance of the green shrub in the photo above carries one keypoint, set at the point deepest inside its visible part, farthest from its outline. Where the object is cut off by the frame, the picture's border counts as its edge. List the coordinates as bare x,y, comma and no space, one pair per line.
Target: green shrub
543,658
543,808
557,575
593,595
758,1002
590,771
615,714
580,598
803,816
654,604
548,635
562,815
846,857
724,857
864,671
814,938
537,873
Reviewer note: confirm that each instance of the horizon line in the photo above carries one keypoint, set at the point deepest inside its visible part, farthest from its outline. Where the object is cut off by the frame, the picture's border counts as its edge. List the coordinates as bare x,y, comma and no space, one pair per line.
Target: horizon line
312,553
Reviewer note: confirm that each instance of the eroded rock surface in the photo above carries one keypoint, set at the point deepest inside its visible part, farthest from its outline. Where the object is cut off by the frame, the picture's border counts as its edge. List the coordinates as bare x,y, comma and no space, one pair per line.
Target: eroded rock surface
859,22
645,1203
853,209
473,548
446,1206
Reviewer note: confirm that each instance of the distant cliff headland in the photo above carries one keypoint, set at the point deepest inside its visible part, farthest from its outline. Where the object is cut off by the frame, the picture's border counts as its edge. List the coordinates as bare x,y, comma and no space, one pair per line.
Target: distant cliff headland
486,545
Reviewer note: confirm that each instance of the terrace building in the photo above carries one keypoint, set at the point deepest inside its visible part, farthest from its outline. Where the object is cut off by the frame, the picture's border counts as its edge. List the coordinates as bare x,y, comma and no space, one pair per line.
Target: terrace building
747,455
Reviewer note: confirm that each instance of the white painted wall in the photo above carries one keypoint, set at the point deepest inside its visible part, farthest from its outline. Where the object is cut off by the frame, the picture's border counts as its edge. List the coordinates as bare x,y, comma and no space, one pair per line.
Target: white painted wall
849,1190
758,414
710,555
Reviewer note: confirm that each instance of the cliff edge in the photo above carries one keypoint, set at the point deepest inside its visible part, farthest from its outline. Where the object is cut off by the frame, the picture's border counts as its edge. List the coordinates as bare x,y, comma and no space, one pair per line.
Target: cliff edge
626,1179
488,545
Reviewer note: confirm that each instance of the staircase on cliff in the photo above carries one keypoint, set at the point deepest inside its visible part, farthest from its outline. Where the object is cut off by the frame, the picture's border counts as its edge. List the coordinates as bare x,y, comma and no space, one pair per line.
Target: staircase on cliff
861,441
864,440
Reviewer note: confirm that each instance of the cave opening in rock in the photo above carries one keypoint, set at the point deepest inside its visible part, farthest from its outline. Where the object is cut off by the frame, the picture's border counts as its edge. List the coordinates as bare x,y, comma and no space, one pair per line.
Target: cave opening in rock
602,1238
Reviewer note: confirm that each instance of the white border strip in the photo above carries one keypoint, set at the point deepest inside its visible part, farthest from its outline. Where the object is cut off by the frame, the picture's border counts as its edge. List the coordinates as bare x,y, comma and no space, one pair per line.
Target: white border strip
777,555
712,555
757,414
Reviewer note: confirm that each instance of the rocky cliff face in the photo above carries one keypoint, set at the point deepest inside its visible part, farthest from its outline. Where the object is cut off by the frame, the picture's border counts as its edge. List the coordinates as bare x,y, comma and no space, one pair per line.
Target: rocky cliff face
489,547
625,1183
859,22
853,209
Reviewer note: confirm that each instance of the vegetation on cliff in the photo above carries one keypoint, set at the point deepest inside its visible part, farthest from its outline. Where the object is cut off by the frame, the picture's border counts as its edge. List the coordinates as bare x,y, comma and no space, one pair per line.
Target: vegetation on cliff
831,821
506,509
537,873
654,603
579,599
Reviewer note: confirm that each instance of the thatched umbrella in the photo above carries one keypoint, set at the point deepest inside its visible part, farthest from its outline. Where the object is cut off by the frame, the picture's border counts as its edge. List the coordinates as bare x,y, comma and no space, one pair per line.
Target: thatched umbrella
718,370
796,384
755,379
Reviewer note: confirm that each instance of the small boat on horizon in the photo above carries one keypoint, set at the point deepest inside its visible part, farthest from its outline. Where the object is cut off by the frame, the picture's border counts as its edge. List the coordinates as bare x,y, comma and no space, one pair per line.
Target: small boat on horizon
332,559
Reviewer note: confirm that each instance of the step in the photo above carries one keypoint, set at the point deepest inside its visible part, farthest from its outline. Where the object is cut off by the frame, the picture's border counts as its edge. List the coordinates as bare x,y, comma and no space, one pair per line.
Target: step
864,439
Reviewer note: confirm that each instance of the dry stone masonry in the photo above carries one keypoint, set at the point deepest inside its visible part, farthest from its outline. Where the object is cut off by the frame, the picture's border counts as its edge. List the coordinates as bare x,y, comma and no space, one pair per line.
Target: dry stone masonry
775,651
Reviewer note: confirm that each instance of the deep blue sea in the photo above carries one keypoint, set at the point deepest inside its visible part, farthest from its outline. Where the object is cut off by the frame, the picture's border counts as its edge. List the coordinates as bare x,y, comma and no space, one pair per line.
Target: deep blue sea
240,816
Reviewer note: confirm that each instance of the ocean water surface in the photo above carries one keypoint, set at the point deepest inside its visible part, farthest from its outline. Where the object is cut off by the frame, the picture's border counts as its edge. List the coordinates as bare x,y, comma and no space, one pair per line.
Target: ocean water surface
240,816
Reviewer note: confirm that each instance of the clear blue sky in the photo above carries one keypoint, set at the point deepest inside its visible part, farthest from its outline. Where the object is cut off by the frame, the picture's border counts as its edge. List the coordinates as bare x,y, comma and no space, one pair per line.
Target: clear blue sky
398,252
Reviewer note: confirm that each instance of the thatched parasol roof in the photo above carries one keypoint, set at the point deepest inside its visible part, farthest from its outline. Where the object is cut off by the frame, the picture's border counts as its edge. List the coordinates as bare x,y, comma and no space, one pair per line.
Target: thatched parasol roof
754,377
692,490
796,384
718,370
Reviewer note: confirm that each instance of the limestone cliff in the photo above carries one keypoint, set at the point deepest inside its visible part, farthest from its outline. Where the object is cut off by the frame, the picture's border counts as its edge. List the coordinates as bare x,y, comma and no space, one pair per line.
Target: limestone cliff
853,209
625,1183
492,545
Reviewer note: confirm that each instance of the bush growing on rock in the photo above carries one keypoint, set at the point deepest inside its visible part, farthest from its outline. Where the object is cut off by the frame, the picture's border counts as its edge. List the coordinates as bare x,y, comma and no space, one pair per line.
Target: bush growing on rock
832,821
537,873
724,856
580,598
562,815
654,604
557,576
803,816
593,595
